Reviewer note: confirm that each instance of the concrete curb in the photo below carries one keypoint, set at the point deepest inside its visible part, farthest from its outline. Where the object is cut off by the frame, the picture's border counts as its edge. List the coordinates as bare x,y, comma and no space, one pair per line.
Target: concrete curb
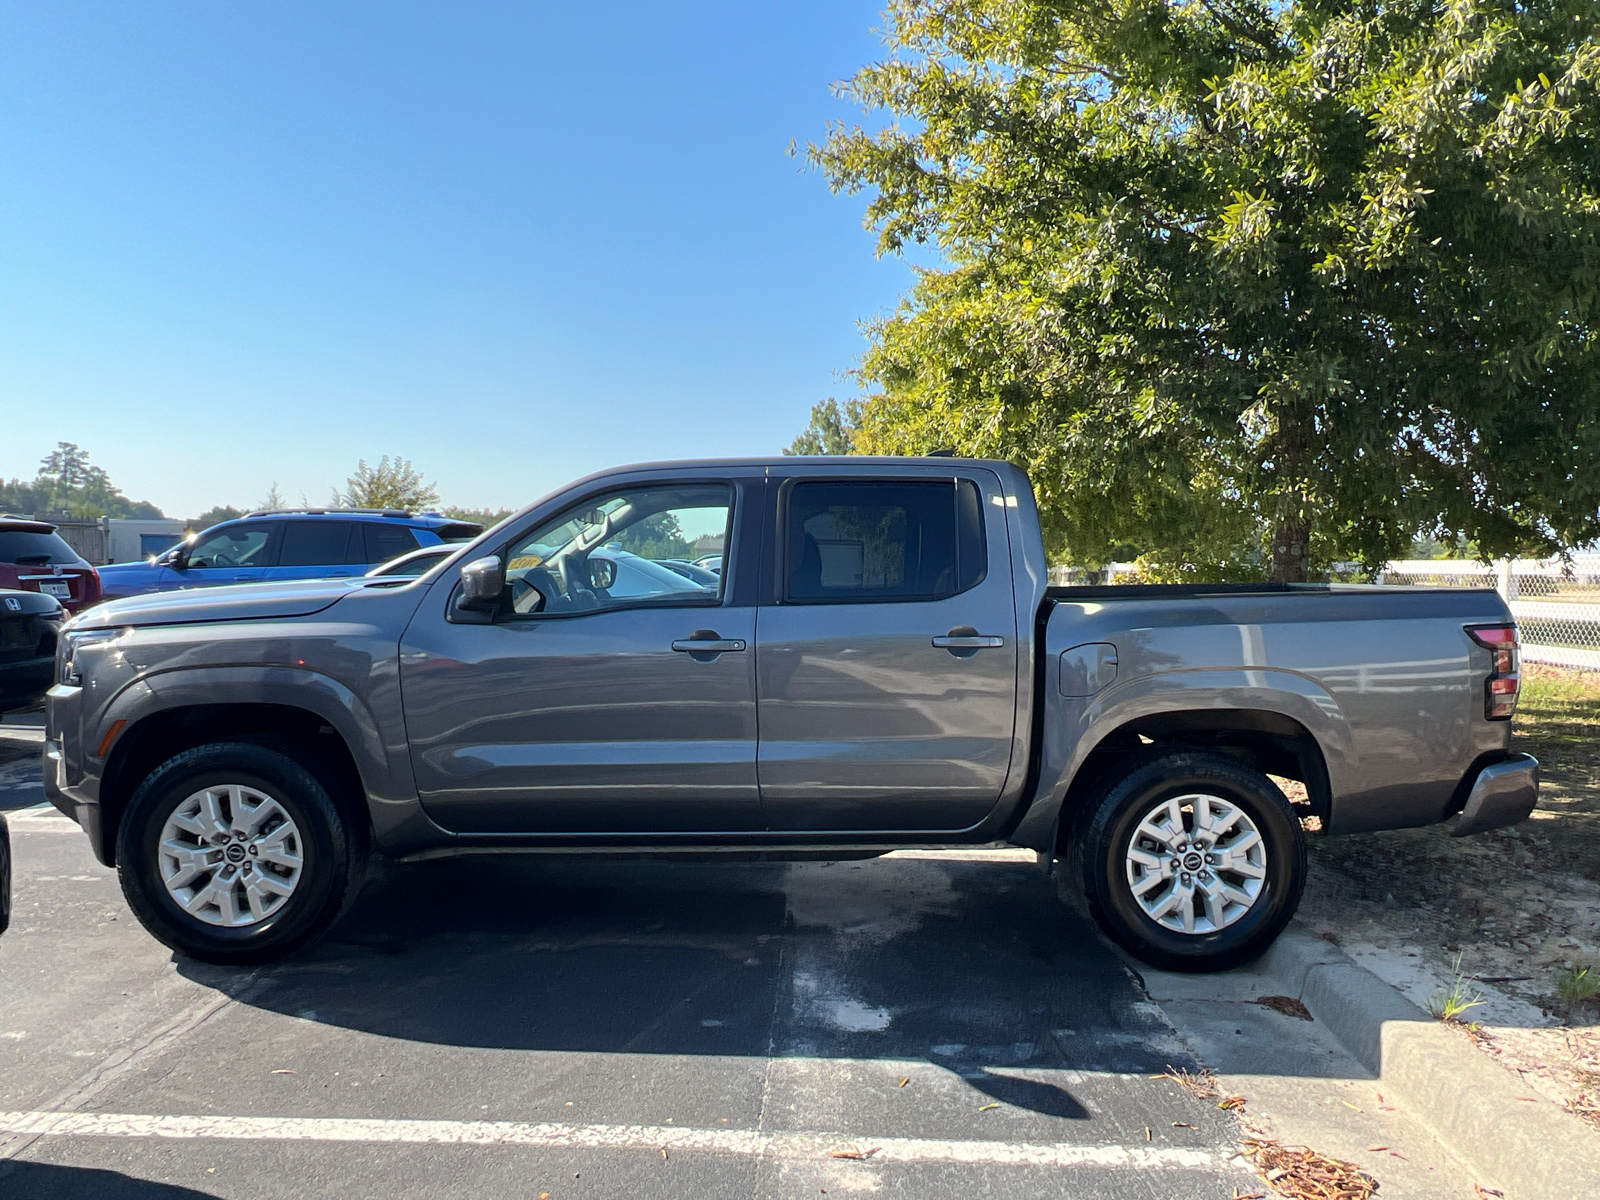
1534,1151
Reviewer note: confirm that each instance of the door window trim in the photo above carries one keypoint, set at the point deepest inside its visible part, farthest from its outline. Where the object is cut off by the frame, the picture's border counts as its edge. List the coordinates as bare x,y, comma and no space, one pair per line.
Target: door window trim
784,564
730,554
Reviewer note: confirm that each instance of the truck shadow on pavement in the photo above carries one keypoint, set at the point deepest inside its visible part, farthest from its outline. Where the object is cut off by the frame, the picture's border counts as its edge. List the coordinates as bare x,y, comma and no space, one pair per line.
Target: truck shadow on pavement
975,967
45,1181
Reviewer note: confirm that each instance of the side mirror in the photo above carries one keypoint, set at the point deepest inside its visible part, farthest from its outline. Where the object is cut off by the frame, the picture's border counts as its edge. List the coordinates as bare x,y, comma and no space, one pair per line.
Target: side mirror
482,582
602,574
178,558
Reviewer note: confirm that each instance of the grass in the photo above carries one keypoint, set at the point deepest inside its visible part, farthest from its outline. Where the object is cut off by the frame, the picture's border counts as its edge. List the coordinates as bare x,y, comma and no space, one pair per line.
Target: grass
1449,1002
1558,722
1577,984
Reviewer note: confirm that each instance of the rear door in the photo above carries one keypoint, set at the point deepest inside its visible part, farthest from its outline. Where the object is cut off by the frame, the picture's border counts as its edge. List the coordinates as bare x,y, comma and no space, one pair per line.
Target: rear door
314,548
887,656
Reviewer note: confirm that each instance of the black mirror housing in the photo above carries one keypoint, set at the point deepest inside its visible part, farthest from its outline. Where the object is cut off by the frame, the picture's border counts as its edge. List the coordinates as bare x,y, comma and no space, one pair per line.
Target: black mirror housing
482,582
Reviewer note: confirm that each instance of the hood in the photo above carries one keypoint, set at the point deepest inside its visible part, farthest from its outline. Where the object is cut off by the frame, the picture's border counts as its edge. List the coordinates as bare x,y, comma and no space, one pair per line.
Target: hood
231,602
113,570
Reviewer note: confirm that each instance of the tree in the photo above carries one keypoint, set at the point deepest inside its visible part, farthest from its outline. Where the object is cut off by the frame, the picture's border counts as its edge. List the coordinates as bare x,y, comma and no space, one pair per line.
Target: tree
395,484
659,536
216,515
832,429
67,483
1254,285
479,516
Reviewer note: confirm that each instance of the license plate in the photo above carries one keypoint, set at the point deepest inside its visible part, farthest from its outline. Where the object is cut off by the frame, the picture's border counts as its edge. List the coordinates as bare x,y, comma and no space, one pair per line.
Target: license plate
61,591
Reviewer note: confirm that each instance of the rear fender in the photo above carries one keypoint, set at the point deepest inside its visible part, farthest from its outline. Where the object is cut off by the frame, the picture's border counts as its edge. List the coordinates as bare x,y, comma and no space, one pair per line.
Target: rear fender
1075,728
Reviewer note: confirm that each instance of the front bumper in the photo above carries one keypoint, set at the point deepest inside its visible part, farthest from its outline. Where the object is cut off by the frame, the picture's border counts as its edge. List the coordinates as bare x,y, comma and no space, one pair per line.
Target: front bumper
1503,794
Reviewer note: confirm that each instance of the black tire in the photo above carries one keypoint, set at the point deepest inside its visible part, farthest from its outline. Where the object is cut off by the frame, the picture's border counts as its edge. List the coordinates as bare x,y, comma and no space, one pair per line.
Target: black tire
5,875
1106,833
331,859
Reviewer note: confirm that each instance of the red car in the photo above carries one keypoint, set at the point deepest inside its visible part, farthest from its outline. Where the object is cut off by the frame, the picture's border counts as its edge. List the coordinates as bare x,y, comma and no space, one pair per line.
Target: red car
34,558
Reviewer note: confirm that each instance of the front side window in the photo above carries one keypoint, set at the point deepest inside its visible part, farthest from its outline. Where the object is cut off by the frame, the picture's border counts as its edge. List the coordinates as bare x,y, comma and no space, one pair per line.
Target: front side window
612,550
238,545
854,542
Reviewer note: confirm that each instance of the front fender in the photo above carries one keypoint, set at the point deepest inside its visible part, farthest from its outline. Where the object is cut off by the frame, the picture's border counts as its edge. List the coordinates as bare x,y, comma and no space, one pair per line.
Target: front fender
379,751
1074,728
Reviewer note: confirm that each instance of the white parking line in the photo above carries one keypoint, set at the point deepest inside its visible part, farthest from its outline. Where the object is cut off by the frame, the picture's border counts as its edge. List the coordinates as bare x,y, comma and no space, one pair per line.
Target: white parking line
647,1137
40,818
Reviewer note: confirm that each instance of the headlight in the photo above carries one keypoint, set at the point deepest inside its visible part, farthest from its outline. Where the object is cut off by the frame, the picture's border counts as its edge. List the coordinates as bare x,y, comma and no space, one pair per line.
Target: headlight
71,643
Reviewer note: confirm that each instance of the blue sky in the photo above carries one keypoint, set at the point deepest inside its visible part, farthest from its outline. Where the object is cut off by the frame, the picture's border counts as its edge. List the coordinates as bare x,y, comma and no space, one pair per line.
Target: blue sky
245,243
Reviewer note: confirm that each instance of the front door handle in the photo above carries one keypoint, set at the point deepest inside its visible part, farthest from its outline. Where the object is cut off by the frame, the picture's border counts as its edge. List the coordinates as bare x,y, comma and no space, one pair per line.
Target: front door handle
964,640
703,645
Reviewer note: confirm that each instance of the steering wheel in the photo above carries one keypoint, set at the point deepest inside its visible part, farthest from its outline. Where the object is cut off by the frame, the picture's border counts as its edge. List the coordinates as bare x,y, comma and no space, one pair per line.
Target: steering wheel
537,579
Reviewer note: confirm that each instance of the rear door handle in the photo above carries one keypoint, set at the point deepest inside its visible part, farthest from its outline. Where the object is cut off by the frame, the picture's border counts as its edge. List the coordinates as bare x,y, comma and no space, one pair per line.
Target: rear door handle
969,641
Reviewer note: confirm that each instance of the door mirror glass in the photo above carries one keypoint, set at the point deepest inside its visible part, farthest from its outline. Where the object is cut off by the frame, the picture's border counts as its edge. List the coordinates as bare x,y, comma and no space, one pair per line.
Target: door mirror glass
602,574
482,581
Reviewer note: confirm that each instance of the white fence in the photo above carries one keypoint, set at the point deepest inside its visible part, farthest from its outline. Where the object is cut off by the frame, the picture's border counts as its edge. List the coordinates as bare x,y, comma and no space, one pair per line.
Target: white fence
1556,604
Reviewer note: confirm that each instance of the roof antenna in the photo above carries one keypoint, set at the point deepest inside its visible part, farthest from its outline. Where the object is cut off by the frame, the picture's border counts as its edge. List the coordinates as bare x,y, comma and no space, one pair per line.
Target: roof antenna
941,452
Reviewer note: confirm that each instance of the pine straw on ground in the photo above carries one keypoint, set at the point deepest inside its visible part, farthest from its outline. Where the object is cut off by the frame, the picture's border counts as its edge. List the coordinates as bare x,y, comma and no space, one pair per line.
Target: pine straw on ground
1303,1174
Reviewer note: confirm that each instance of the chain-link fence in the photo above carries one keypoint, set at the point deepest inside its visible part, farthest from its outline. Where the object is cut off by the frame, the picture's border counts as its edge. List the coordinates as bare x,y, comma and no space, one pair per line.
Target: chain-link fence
1556,604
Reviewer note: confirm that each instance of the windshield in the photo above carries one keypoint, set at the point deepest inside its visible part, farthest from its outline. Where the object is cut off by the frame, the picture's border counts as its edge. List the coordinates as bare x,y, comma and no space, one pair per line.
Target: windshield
35,549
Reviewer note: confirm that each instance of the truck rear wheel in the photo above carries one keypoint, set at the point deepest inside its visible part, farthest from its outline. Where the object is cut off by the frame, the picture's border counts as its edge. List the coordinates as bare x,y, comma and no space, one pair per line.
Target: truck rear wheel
1192,861
235,853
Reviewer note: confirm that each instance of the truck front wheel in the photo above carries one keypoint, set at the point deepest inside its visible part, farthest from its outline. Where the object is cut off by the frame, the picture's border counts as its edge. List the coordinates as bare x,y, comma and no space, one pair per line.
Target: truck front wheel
1192,861
235,853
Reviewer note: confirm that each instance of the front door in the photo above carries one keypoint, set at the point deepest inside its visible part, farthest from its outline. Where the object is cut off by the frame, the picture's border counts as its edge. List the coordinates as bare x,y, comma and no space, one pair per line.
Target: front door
887,668
237,552
612,695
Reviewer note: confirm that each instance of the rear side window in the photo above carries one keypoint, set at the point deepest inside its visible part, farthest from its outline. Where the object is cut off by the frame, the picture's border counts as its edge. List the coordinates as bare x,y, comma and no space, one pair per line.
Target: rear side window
867,541
388,541
321,544
35,549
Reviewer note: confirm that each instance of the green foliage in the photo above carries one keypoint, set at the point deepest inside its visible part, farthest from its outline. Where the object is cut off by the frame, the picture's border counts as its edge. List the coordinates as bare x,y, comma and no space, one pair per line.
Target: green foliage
69,484
1449,1001
1578,983
390,484
216,515
482,516
832,429
1250,287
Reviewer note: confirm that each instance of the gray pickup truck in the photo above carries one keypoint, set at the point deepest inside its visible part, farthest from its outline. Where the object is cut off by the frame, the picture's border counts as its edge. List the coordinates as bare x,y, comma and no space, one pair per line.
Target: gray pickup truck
879,664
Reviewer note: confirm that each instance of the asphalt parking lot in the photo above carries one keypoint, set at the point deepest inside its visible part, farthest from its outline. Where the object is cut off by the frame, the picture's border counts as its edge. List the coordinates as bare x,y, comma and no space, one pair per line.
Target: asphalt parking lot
934,1025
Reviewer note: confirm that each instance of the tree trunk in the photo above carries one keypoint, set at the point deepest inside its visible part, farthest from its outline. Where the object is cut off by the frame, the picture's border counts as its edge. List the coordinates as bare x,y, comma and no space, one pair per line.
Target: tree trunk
1291,547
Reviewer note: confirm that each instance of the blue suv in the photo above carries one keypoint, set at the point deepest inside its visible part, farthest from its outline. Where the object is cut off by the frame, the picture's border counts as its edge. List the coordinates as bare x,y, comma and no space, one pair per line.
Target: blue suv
301,543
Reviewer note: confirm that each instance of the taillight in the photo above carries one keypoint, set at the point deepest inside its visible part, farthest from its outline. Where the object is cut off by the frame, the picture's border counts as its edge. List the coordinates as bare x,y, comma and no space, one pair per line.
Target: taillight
1504,683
